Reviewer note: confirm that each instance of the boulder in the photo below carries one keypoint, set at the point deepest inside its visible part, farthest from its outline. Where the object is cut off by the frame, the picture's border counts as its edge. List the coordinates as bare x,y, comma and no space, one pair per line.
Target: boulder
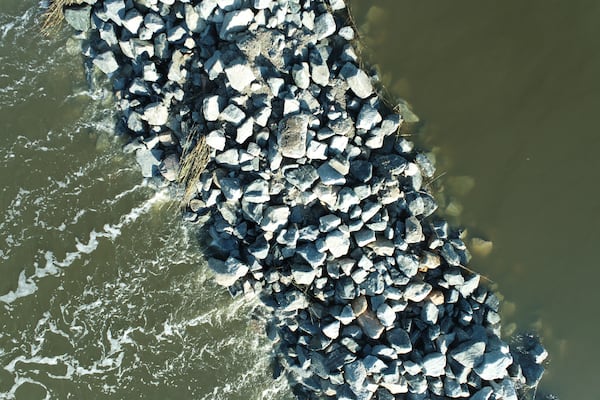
78,17
291,136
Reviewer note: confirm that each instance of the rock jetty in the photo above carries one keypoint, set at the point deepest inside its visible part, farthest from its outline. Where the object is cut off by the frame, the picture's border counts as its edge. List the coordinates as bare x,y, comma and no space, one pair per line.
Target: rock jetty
314,202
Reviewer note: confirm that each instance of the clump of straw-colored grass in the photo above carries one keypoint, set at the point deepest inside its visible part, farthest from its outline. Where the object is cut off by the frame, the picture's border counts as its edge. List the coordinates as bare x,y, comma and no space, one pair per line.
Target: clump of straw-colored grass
194,158
54,15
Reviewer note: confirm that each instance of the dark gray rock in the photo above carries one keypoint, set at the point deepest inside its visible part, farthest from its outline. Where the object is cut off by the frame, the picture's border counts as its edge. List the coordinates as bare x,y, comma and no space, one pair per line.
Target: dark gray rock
231,188
302,177
361,170
399,340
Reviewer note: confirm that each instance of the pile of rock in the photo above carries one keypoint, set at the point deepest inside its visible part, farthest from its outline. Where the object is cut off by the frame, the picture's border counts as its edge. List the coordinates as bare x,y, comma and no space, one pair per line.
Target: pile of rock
315,203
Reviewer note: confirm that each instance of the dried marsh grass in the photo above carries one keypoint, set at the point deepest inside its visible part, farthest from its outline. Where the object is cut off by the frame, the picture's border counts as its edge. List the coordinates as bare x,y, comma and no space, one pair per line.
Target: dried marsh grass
194,158
53,16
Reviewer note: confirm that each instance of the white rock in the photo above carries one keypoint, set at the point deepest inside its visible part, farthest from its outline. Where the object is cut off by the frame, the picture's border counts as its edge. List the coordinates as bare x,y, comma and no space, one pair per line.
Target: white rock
324,26
338,243
240,76
235,21
216,139
211,108
156,114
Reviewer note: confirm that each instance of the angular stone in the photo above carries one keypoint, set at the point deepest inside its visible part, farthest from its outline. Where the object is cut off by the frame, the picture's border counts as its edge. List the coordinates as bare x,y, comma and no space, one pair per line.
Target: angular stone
229,158
78,17
399,340
364,237
374,365
193,20
233,114
156,114
302,177
329,175
257,191
231,188
390,164
227,272
275,218
413,230
319,69
106,62
216,139
429,313
338,243
235,21
304,275
434,364
291,136
324,26
169,167
370,324
329,222
311,255
133,20
115,10
493,366
484,393
417,291
468,353
149,161
358,80
382,247
368,117
301,75
240,76
332,330
361,170
386,314
154,22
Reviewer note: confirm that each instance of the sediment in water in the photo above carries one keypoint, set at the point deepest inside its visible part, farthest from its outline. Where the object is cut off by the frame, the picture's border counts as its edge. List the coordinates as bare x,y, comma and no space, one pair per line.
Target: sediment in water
311,199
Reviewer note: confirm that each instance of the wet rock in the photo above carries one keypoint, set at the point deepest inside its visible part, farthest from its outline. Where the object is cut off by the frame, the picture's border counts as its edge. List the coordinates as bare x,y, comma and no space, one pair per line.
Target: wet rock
227,272
169,167
78,17
291,136
106,62
493,365
149,161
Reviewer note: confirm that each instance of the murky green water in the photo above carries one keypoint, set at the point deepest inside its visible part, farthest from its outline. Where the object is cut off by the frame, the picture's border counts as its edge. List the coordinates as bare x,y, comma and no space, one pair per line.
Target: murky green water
102,292
510,92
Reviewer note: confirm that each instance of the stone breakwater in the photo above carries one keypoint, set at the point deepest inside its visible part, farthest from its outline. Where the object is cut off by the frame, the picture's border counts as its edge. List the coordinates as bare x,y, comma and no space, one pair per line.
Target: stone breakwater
313,201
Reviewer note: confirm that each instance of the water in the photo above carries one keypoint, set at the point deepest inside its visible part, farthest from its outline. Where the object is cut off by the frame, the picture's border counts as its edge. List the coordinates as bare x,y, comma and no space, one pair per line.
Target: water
103,292
509,92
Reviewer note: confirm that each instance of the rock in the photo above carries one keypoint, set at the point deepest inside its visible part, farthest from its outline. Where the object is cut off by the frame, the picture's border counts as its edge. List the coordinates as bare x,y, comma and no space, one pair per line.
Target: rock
257,191
361,170
193,20
329,222
149,160
239,75
493,366
382,247
358,80
324,26
390,165
302,177
169,167
482,394
106,62
231,188
368,117
399,340
332,330
235,21
429,312
78,17
301,75
154,22
364,237
228,158
329,175
417,291
133,20
233,114
311,255
468,353
293,300
338,243
216,139
449,254
413,230
386,315
434,364
319,69
304,275
262,4
291,136
115,10
275,218
156,114
370,325
481,247
227,272
374,365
